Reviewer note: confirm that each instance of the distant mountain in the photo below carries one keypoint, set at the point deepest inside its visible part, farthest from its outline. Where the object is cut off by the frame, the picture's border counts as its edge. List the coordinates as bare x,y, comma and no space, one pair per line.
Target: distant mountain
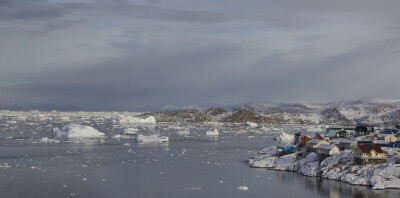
351,112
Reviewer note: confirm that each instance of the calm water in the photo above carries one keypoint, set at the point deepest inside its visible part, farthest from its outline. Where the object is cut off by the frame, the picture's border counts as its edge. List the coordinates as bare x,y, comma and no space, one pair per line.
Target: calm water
194,166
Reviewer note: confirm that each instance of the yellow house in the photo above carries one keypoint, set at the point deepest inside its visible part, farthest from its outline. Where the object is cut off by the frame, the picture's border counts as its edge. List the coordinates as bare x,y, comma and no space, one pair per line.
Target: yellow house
313,144
369,154
387,137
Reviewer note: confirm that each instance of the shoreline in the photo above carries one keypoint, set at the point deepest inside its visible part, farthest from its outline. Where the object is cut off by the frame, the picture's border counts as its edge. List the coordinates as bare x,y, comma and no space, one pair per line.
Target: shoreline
340,167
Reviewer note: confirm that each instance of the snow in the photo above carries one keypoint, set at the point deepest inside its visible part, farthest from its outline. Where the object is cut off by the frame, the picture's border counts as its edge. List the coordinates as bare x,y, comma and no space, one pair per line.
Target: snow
285,137
338,167
151,138
78,131
212,133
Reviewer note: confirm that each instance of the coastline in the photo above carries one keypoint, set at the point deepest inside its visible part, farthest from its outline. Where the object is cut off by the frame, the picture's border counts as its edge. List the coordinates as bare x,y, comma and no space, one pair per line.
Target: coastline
340,167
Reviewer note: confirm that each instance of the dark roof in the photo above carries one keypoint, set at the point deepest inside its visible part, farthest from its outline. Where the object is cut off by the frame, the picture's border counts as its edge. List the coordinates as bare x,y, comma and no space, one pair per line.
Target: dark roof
368,148
365,128
318,136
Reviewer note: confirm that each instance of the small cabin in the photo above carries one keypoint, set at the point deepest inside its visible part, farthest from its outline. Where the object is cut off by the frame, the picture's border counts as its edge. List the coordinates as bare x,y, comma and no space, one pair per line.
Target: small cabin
343,143
285,148
318,137
369,154
303,140
390,130
327,150
386,137
313,144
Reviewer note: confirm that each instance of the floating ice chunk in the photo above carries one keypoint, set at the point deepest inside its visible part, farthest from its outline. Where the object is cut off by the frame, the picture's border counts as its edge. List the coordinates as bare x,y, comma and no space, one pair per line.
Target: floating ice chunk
131,131
250,124
137,120
78,131
183,132
151,138
47,140
284,137
243,188
212,133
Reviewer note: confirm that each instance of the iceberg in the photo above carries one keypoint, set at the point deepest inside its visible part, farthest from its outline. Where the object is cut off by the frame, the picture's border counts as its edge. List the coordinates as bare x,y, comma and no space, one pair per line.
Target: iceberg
285,137
137,120
77,131
212,133
250,124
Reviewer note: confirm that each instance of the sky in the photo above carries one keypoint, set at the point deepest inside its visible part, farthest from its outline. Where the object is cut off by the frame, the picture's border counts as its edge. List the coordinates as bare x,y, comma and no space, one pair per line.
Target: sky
136,54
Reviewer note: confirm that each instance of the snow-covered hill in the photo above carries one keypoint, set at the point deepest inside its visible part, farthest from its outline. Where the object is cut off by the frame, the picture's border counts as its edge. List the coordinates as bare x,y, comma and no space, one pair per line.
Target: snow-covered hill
364,111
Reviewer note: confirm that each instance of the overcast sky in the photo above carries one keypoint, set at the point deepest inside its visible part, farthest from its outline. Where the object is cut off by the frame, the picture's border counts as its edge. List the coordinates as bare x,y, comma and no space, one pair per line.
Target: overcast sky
122,53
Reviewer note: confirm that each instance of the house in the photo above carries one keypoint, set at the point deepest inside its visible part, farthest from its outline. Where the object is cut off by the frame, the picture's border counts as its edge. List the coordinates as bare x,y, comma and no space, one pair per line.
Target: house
369,154
318,136
390,130
325,150
296,138
313,144
304,140
342,134
364,130
333,130
384,143
285,148
343,143
386,137
397,143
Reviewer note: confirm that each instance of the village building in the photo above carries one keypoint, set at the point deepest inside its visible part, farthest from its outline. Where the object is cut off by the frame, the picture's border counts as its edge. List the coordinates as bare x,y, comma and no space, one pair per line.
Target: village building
390,130
326,150
343,143
343,134
318,136
364,130
333,130
384,143
285,148
303,140
387,137
313,144
369,154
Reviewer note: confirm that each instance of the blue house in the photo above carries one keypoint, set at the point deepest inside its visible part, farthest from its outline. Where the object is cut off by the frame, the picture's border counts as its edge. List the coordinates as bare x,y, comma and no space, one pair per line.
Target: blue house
390,130
333,130
383,143
285,148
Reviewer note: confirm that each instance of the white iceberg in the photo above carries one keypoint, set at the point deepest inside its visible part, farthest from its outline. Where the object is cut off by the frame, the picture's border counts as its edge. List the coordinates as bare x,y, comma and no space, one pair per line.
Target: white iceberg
212,133
77,131
137,120
285,137
250,124
151,138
